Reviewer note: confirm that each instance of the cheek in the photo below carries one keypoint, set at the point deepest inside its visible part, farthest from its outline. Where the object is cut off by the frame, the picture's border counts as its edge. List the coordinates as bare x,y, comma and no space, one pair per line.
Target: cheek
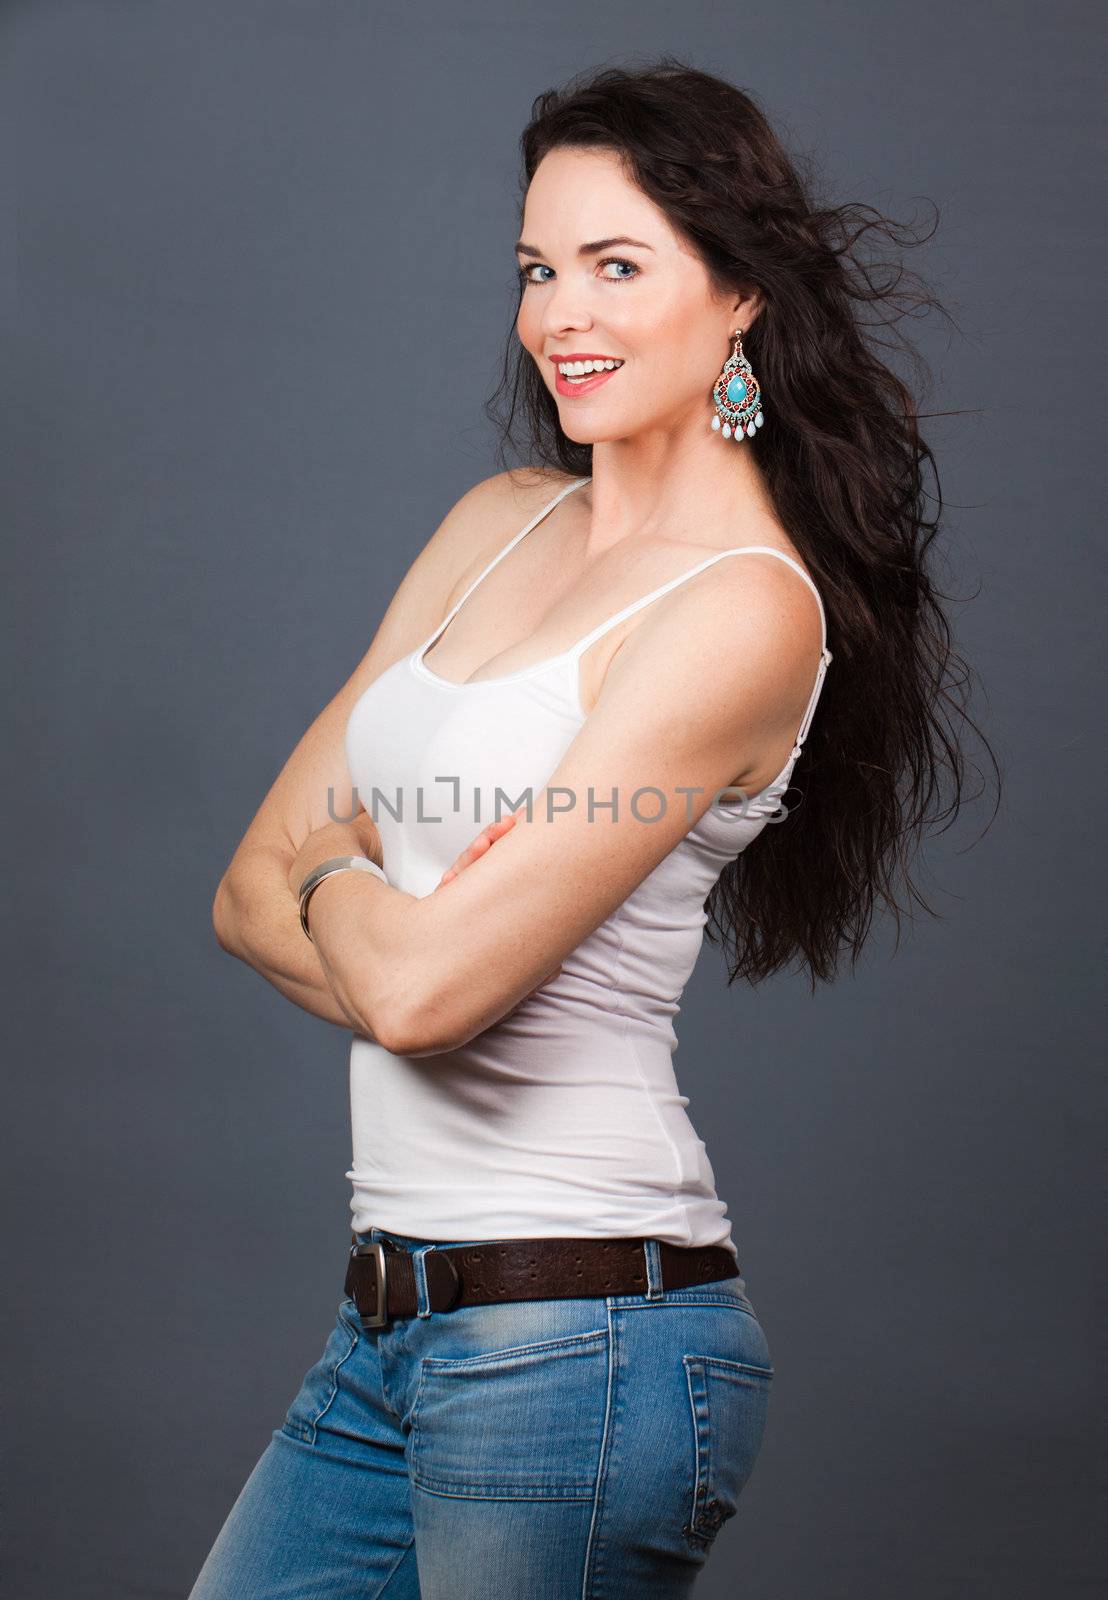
528,327
686,351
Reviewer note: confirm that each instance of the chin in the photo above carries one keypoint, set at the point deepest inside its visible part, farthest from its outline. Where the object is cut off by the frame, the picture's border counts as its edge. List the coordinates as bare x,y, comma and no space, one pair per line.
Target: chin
578,434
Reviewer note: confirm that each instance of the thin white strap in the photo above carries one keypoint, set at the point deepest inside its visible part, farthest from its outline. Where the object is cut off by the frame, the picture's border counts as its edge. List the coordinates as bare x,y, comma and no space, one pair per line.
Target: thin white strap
534,522
821,673
747,549
656,594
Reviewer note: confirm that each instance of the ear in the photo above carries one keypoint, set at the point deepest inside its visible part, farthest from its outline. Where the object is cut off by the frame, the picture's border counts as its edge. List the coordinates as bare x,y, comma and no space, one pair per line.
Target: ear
746,310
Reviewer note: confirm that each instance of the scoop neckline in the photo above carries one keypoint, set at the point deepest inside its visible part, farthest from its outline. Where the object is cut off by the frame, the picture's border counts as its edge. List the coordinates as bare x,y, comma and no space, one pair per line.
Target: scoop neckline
420,666
421,669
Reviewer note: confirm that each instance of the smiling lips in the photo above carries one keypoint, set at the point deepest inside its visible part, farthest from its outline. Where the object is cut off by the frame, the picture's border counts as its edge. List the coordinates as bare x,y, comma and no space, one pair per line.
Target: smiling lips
582,385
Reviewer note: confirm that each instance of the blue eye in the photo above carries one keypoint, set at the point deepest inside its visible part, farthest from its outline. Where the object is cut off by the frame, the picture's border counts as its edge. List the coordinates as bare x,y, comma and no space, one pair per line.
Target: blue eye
608,261
617,261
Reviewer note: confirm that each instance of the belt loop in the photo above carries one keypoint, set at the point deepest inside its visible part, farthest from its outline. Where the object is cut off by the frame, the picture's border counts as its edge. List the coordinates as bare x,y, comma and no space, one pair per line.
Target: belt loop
419,1270
654,1287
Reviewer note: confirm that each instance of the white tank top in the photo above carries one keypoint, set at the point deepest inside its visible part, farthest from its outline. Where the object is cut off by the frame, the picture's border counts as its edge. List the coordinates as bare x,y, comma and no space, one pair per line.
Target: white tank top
564,1118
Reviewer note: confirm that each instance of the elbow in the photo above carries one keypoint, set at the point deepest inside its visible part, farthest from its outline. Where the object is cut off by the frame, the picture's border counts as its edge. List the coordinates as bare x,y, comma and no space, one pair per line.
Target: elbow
407,1033
223,916
411,1023
230,915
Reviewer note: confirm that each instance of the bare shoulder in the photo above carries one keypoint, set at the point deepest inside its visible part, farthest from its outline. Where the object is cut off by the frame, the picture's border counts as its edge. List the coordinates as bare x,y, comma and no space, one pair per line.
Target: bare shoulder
484,518
770,593
469,534
741,644
749,599
524,487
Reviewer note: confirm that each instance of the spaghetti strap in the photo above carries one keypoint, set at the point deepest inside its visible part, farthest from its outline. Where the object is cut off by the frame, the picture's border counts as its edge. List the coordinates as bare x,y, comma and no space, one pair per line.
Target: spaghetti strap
577,650
534,522
664,588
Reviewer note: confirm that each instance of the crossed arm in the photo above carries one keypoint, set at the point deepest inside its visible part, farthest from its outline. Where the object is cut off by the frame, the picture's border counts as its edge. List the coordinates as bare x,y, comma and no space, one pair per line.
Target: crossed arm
712,683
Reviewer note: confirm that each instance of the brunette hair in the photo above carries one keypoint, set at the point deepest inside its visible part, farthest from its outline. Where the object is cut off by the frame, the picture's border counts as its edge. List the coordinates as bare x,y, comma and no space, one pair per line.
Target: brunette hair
844,462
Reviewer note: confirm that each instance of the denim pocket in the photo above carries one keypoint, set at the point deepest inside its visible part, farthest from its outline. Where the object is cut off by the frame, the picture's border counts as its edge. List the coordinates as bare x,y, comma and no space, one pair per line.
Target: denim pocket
525,1423
728,1403
320,1385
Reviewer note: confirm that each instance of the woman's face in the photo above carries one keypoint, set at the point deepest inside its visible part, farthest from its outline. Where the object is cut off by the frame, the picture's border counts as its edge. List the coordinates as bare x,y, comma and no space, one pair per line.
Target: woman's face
604,275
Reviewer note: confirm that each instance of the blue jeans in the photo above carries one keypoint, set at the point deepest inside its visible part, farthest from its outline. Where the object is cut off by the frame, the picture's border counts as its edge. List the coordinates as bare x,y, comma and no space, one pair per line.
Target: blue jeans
582,1449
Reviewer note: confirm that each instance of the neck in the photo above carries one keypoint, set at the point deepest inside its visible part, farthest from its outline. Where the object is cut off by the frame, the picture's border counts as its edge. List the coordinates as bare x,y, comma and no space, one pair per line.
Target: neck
683,487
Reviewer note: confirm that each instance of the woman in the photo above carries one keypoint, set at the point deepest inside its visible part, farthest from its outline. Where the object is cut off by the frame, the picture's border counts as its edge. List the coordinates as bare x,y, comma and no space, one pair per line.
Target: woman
567,740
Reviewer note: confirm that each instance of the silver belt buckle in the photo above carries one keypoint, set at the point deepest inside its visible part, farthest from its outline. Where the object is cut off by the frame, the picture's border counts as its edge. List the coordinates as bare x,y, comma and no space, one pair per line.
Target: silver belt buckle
375,1248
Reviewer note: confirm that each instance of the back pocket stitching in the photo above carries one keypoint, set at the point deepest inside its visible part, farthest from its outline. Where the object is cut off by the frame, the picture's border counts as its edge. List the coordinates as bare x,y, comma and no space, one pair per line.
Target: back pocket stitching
707,1513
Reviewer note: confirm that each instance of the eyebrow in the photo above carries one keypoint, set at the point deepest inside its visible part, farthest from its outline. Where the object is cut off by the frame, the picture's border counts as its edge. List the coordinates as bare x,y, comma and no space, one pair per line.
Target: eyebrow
585,249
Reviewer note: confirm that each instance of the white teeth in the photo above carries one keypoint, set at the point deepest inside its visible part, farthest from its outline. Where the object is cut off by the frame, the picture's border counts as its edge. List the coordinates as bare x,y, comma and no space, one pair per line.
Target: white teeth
580,369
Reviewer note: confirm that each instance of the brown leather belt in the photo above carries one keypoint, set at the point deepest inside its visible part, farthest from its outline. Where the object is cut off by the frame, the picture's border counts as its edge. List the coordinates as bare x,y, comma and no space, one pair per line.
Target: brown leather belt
519,1269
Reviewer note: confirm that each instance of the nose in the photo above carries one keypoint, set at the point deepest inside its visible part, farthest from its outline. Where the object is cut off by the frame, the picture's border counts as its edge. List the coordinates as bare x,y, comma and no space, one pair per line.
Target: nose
565,308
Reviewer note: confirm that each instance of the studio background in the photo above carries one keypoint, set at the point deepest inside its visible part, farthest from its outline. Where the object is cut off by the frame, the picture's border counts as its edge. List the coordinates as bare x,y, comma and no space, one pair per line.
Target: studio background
241,242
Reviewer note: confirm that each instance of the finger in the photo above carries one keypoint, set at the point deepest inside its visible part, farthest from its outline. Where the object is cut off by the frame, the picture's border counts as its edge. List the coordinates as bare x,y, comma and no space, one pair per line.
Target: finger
467,857
496,829
488,836
475,849
484,840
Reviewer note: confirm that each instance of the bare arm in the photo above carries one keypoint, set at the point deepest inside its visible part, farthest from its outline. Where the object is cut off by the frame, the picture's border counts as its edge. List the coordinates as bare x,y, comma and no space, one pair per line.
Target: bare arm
740,654
254,914
259,904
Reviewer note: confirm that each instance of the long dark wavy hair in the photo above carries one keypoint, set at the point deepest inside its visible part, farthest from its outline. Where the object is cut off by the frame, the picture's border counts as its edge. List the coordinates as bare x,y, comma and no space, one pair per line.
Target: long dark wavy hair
845,465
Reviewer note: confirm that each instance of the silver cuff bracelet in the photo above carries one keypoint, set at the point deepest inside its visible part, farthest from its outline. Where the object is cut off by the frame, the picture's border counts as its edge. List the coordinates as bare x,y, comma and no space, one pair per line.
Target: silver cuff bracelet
325,870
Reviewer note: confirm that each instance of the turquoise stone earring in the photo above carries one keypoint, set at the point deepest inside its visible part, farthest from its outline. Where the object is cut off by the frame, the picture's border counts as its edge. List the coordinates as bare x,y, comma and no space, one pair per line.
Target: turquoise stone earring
737,396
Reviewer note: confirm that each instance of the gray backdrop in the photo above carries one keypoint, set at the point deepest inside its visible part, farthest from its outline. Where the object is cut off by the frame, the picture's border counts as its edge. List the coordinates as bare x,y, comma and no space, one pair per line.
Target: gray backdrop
236,238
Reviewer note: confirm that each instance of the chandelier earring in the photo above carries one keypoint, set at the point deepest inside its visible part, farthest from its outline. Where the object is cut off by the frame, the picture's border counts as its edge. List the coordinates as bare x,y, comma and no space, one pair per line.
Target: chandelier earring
737,396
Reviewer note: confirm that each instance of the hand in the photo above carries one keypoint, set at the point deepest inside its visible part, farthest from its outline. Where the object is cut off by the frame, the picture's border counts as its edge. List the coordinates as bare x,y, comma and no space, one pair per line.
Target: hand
484,841
473,852
358,837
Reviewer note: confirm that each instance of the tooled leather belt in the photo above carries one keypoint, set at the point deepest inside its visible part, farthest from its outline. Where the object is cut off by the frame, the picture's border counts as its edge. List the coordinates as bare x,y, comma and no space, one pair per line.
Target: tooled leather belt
519,1269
